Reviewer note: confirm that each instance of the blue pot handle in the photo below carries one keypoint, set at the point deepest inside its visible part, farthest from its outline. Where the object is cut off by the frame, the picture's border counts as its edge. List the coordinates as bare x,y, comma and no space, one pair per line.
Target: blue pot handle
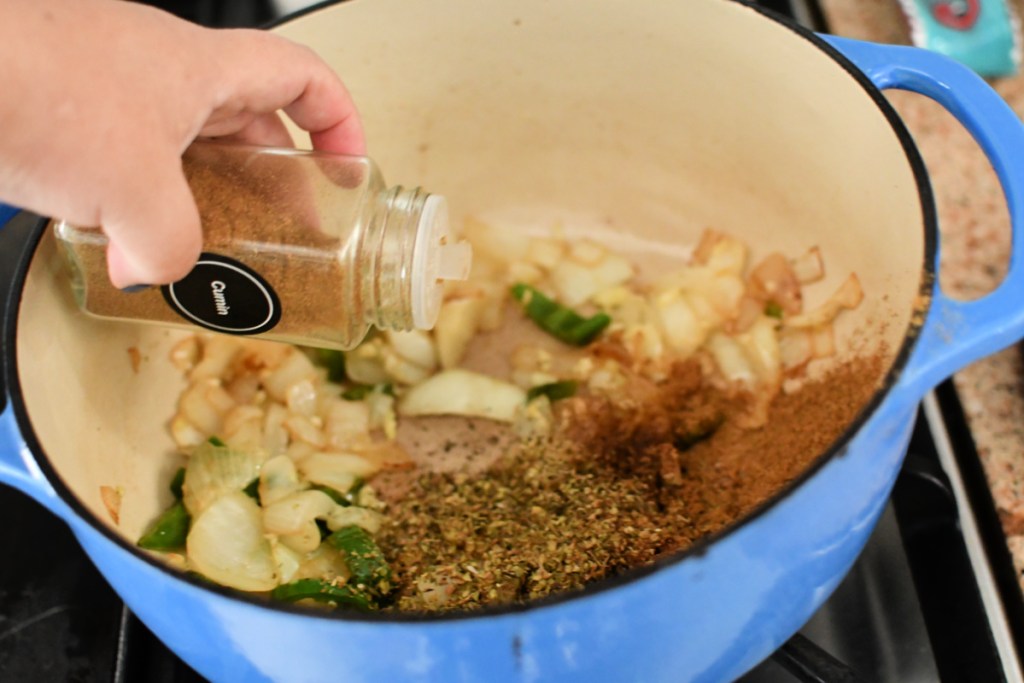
958,333
17,466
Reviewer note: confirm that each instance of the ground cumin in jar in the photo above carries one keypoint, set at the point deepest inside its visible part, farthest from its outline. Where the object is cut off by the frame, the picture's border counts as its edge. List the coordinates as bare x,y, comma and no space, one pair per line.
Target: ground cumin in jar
302,247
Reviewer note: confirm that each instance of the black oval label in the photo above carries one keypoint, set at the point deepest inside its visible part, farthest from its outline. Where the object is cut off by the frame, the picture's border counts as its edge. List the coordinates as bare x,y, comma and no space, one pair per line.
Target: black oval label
224,295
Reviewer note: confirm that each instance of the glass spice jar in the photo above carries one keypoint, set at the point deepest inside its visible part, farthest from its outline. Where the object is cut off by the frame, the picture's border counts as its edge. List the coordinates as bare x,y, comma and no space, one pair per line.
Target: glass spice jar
302,247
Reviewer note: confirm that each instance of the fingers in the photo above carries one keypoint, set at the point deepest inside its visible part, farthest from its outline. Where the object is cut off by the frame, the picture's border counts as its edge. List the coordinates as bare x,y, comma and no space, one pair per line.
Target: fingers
151,217
269,73
153,225
326,110
260,129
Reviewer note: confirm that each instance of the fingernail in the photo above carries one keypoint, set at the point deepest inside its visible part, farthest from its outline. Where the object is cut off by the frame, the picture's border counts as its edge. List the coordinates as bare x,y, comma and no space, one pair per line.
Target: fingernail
134,288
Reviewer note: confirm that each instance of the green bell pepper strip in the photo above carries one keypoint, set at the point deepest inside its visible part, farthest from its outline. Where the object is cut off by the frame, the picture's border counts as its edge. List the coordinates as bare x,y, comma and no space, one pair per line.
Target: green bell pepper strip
361,391
169,530
364,559
559,320
334,361
322,591
337,496
252,489
773,310
177,482
553,390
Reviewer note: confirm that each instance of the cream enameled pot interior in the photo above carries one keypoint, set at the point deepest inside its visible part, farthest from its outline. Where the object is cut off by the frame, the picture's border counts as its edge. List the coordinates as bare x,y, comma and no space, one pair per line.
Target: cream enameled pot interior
644,122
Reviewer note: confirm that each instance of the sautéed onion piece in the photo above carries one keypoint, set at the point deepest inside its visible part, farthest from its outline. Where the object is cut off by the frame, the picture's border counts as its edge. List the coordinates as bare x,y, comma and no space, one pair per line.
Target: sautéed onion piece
285,446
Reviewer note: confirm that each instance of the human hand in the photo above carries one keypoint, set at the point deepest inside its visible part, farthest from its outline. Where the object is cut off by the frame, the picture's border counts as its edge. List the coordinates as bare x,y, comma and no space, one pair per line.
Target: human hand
99,98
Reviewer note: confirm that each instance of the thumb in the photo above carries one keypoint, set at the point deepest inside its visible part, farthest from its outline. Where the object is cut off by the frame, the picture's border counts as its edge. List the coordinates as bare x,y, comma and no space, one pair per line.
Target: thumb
152,222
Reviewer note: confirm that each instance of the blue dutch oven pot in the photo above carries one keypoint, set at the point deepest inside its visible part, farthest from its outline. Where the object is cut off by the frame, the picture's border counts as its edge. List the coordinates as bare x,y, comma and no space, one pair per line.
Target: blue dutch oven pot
661,118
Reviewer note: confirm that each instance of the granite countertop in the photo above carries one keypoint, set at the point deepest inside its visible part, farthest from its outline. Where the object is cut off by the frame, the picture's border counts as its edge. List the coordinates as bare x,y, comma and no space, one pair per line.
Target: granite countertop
975,251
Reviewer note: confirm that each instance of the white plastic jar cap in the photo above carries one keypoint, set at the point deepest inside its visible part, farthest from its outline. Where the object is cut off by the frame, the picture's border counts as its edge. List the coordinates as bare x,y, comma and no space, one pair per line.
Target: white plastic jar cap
436,257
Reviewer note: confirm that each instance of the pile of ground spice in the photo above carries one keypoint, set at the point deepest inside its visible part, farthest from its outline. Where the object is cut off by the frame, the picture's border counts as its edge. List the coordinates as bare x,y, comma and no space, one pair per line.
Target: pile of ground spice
625,481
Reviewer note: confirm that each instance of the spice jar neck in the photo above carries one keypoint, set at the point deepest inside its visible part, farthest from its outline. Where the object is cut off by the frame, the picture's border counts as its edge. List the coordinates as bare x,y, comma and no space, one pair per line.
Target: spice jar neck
387,282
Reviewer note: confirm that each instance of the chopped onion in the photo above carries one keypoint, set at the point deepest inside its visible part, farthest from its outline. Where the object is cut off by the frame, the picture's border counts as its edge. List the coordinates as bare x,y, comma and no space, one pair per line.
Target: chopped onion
848,296
527,379
493,315
496,242
299,450
705,311
606,378
382,412
244,387
809,268
259,354
795,349
731,359
226,544
643,341
461,392
724,292
185,434
185,354
323,561
761,345
275,436
302,428
196,407
545,252
301,397
587,252
243,428
278,479
289,514
340,517
457,322
383,455
218,354
773,280
337,470
534,419
402,371
624,306
532,365
574,284
305,540
346,422
613,271
415,346
365,364
748,312
286,559
366,497
520,271
721,253
296,367
214,472
681,327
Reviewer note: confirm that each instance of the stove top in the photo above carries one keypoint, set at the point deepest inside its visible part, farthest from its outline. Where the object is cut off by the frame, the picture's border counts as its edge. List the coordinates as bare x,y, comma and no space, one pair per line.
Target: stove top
934,596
